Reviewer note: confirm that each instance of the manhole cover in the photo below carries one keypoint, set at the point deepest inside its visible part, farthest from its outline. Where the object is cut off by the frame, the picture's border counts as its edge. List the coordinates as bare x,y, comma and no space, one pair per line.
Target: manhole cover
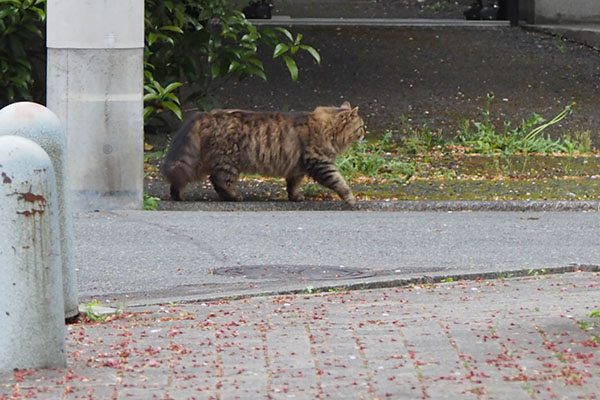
295,272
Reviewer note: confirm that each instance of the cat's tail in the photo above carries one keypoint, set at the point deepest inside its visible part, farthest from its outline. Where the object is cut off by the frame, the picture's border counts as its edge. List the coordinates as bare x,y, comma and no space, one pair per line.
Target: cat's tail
182,160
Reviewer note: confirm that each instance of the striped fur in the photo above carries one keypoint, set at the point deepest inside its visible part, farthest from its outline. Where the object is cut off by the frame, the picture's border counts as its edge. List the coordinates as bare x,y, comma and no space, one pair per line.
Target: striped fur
221,144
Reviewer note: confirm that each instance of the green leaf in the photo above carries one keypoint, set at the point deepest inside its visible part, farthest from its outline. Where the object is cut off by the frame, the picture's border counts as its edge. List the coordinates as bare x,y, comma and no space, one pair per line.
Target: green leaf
150,96
157,86
33,29
40,13
19,81
169,5
257,72
269,34
148,111
314,53
285,32
256,62
292,67
215,71
150,89
173,98
172,86
24,62
152,38
171,28
174,108
280,49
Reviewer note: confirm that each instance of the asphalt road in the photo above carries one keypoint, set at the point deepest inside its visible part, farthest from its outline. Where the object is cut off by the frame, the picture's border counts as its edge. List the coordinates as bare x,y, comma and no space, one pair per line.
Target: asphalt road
140,257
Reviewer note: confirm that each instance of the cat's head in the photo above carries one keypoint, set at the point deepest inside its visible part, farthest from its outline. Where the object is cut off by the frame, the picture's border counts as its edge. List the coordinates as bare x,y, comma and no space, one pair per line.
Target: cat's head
350,126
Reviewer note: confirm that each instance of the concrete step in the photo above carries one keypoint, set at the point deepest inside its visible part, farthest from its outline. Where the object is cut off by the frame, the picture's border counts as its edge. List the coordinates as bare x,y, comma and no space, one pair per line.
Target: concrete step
402,22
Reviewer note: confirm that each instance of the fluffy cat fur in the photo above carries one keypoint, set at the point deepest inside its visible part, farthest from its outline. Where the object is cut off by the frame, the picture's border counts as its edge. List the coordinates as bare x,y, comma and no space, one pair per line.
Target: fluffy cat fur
221,144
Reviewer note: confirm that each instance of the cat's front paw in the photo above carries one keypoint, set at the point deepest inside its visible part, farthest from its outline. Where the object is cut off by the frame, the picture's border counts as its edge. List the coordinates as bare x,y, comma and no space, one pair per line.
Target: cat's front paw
350,203
297,197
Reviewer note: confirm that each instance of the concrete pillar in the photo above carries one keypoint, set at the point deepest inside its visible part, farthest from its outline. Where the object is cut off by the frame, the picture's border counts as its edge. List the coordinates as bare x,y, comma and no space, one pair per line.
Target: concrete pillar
95,86
32,316
37,123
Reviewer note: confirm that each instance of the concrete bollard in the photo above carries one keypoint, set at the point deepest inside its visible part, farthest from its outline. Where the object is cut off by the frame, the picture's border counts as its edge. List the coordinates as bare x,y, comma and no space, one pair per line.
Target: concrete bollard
36,122
32,330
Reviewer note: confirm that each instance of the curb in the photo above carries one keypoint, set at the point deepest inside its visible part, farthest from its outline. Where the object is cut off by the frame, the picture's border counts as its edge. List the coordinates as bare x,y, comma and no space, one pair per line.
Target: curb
189,295
402,206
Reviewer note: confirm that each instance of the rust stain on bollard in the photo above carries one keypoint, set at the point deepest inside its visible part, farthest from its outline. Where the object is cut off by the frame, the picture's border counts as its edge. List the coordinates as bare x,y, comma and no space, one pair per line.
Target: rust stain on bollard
29,213
32,198
5,178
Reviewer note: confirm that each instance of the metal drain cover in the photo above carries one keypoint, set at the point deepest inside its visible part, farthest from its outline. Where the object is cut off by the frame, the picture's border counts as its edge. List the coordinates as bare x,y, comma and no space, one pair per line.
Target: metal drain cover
295,272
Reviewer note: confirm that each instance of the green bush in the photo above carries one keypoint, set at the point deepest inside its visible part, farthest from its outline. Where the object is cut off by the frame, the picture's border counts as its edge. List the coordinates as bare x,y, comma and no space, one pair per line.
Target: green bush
201,45
21,38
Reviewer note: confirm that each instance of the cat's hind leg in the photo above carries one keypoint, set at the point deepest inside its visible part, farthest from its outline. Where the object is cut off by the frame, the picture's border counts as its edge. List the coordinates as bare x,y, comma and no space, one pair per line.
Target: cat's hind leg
293,187
177,193
178,177
223,178
327,174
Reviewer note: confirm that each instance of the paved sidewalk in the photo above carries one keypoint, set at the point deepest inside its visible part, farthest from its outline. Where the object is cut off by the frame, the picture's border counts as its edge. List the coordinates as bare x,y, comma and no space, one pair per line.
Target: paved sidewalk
517,338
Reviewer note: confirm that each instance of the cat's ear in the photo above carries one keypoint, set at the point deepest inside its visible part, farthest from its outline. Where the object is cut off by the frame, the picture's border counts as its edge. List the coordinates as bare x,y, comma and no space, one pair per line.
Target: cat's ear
346,105
347,114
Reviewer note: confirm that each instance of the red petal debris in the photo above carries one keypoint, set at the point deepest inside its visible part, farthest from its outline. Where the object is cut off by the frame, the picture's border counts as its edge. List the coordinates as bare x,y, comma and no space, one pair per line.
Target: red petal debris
380,343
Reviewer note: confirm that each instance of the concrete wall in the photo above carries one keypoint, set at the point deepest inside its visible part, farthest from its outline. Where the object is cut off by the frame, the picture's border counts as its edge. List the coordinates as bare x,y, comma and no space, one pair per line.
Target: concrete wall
557,11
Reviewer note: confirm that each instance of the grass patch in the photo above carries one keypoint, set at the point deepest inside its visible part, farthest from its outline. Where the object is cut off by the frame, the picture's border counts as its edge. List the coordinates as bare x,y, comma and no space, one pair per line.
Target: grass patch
150,202
91,314
373,161
592,327
482,137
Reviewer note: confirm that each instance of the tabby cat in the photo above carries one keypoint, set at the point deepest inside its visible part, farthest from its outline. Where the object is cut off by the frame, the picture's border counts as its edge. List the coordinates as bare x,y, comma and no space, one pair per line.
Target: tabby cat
221,144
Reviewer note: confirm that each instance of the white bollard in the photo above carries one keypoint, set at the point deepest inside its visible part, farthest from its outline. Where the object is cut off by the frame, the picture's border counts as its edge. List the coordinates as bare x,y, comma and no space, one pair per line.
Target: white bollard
32,330
36,122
